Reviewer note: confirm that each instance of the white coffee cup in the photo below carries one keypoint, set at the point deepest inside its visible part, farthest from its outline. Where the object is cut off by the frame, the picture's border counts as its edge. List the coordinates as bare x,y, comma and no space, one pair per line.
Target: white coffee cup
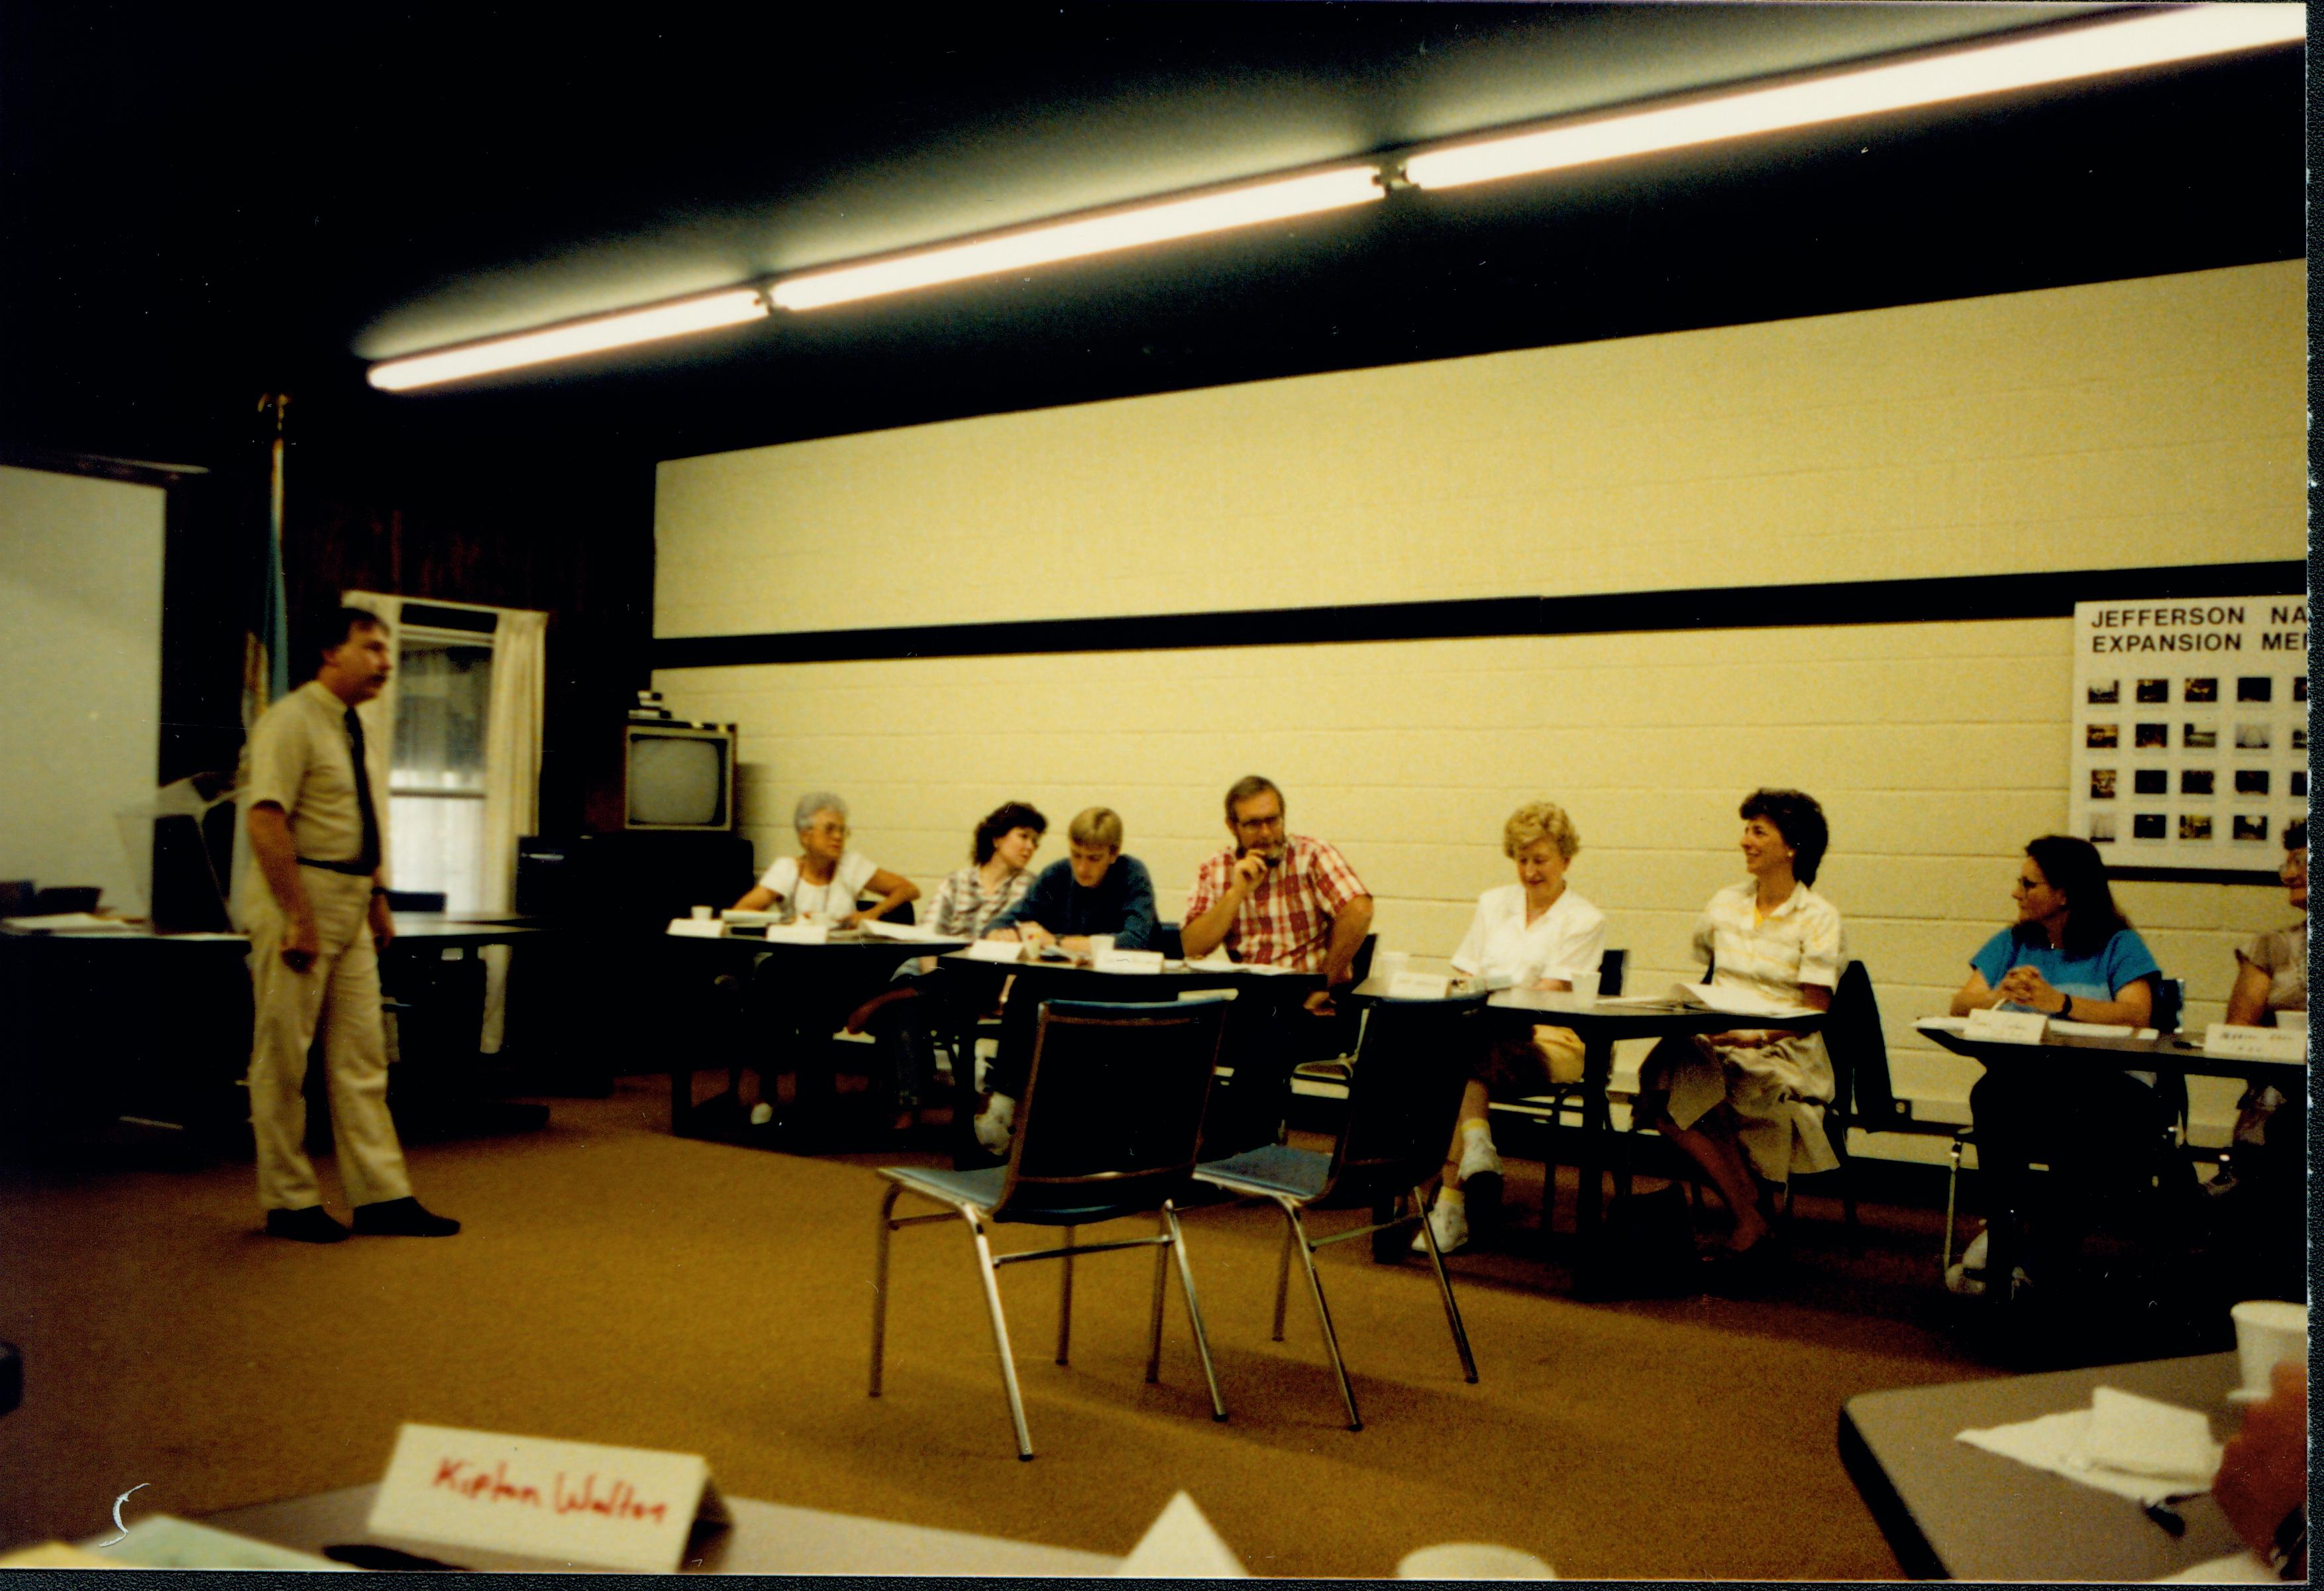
2268,1331
705,913
1472,1560
1585,989
1100,945
1386,963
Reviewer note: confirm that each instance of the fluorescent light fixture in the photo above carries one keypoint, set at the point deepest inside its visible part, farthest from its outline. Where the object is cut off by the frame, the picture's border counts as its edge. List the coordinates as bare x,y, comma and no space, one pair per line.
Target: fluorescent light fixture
731,306
2059,55
1077,237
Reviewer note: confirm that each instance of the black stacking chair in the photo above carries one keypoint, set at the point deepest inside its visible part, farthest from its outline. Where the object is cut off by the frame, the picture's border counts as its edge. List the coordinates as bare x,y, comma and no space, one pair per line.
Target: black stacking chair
1080,1157
1403,1095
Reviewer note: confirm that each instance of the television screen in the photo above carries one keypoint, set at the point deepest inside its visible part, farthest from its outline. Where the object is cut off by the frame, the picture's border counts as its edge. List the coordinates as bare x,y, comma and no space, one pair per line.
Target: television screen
677,781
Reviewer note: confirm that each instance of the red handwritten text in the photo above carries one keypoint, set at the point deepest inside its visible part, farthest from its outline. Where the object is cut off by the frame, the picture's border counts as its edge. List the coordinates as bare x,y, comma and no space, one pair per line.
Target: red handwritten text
619,1500
478,1487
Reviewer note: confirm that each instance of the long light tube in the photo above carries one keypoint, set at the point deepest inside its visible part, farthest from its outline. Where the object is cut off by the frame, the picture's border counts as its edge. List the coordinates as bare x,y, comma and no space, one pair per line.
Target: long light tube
1079,237
2153,39
733,307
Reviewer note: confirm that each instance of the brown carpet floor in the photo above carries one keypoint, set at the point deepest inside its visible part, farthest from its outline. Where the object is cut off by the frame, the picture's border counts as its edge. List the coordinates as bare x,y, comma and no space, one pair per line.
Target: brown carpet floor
616,1284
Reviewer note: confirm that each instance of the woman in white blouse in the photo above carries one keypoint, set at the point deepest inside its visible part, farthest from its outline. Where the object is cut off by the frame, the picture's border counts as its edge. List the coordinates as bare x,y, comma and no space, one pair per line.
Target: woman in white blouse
824,880
1533,934
1746,1106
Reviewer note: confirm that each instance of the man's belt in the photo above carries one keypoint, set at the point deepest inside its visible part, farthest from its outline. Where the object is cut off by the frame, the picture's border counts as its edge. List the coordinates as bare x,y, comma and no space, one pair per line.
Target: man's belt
351,869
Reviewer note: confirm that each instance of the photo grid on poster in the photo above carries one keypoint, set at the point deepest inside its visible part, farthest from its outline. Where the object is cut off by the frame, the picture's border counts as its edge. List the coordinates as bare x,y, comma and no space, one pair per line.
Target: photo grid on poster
2189,729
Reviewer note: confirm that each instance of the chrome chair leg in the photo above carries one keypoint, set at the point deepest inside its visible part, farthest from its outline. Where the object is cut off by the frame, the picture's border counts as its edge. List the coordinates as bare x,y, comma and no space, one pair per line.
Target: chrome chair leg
879,1283
1324,1314
992,1280
1161,1287
1281,1280
1194,1309
1952,1190
1065,1298
1444,1289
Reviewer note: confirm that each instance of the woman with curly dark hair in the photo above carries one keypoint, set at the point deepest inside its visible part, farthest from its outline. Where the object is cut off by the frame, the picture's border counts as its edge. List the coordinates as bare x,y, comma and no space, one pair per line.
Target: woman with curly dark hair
1746,1106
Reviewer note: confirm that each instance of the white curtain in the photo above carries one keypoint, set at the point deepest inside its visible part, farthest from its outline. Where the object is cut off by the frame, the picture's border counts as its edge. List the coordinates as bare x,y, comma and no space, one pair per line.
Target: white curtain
512,783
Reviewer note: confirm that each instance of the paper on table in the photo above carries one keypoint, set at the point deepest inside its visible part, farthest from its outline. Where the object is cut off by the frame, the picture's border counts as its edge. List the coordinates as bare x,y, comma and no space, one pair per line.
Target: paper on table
1734,1002
1181,1544
879,928
1941,1025
2141,1435
69,922
2057,1443
2092,1029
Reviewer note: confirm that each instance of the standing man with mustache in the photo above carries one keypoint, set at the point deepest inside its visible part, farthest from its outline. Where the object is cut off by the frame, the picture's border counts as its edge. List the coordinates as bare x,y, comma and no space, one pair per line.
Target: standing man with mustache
1275,900
312,806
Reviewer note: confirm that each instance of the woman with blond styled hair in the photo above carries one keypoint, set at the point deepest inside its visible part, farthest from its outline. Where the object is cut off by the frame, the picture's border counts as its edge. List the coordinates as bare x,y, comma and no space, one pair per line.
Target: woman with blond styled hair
1533,934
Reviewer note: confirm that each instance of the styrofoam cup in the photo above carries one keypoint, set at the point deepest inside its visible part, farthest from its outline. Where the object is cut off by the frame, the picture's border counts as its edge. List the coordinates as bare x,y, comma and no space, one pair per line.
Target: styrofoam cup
1100,944
705,913
1472,1560
1585,989
2268,1331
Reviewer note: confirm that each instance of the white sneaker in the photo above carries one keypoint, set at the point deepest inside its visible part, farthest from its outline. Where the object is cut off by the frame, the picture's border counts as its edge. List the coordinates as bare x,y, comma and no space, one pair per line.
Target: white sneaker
996,1124
1966,1275
1479,1158
1450,1223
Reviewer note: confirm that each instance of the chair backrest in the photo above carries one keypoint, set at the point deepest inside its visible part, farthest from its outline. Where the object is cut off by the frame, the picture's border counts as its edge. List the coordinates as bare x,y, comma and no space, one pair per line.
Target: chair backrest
1403,1096
1168,940
1360,967
2169,1005
1112,1113
1609,972
1862,1091
902,916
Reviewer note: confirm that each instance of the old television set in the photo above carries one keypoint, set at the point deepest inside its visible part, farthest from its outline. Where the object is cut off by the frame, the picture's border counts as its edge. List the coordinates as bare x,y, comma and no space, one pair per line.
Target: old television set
678,778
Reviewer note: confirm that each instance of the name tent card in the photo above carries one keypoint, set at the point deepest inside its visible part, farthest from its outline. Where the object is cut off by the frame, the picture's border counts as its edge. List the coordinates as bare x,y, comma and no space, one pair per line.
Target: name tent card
995,951
2006,1027
1129,961
627,1508
2255,1043
697,928
1419,985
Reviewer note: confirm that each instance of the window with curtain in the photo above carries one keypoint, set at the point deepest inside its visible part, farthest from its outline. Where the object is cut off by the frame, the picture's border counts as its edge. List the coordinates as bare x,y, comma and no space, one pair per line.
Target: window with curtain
438,786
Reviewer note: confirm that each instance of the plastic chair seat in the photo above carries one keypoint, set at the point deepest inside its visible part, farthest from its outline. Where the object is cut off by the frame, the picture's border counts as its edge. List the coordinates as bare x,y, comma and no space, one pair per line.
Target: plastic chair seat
1273,1168
981,1189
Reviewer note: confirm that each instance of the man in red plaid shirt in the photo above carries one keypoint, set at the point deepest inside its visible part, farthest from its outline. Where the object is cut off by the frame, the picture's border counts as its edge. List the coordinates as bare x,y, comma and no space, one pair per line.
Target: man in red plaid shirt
1276,900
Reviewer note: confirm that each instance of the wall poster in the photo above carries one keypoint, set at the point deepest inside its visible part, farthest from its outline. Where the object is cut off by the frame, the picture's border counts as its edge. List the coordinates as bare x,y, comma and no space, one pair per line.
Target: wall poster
2191,729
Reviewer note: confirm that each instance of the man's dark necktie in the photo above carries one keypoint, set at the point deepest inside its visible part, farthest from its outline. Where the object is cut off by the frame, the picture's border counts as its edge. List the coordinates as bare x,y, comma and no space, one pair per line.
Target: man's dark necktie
369,859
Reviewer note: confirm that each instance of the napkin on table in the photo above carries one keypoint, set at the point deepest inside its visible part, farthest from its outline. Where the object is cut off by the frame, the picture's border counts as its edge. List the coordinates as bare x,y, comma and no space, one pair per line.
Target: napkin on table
2132,1447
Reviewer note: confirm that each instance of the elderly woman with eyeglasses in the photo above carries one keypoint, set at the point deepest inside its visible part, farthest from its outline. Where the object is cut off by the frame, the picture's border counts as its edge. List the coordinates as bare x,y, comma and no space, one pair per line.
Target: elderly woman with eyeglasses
825,879
822,883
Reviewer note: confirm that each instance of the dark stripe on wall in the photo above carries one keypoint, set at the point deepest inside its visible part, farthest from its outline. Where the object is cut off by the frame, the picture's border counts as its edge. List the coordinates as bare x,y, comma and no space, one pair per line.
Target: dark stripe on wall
1734,607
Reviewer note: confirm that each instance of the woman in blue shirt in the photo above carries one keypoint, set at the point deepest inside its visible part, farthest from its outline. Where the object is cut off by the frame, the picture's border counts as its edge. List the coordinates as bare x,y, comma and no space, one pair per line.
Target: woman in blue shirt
2073,956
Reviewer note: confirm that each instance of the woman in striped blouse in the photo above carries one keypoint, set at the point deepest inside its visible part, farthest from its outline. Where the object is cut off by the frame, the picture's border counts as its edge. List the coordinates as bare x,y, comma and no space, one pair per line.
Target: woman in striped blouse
1748,1105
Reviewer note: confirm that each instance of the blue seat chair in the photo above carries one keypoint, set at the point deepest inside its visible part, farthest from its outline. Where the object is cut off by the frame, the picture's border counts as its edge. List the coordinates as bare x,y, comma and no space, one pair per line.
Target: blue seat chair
1080,1157
1403,1092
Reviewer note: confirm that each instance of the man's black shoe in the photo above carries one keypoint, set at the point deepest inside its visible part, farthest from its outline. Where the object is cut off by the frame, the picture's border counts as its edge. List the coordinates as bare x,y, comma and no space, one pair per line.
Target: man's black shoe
401,1217
311,1224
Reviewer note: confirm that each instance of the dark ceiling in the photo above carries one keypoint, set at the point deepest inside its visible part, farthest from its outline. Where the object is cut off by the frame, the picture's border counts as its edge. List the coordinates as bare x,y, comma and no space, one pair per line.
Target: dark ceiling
200,204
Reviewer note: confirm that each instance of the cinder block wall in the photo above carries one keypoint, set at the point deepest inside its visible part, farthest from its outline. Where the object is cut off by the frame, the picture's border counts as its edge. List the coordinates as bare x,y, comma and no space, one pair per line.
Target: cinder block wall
2151,422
